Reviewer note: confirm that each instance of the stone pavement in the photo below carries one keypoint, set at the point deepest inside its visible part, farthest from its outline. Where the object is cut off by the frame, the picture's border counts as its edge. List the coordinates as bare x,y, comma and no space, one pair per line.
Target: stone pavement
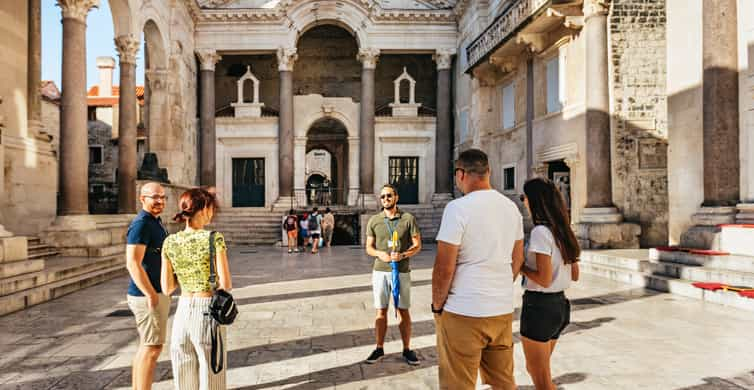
306,323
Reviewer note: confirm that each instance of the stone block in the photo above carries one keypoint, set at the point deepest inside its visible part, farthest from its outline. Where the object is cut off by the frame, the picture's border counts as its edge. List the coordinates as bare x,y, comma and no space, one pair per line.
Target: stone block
13,268
105,251
77,239
13,248
701,237
608,235
11,303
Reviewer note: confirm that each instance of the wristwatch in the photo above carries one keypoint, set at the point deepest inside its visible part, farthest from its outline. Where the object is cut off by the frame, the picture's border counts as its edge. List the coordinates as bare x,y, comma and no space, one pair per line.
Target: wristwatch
436,311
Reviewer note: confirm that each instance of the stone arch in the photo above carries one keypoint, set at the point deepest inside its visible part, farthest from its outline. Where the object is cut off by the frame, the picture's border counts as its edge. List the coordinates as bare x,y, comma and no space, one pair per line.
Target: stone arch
123,20
331,135
351,128
157,110
155,44
350,15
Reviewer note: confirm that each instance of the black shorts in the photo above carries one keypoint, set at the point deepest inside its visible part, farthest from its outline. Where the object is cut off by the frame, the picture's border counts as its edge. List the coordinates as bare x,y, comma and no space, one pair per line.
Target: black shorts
314,236
544,315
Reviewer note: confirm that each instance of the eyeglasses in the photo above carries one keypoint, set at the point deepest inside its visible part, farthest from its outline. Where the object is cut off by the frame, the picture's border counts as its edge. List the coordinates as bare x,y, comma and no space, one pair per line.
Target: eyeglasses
386,196
157,197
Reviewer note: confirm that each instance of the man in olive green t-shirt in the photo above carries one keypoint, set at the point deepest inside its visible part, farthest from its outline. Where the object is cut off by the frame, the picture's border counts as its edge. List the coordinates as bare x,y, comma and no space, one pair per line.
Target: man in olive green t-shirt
380,245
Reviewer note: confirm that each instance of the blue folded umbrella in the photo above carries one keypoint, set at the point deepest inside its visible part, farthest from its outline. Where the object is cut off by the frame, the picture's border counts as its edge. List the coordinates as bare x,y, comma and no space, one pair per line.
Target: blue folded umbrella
396,285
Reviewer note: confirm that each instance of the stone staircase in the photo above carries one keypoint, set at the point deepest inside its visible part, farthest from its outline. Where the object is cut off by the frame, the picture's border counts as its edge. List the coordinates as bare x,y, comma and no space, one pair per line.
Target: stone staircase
46,275
428,217
674,269
248,226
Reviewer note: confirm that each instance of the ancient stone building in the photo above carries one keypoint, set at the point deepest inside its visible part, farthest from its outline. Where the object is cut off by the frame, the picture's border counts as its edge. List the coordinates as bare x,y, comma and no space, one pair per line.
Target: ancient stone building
641,111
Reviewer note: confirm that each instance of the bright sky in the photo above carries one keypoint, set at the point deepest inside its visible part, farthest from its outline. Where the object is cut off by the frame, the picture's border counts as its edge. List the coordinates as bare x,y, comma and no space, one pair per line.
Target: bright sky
99,42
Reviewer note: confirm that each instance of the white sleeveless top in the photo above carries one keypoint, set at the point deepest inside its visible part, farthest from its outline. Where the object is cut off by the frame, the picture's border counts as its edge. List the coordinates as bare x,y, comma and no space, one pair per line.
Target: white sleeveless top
542,241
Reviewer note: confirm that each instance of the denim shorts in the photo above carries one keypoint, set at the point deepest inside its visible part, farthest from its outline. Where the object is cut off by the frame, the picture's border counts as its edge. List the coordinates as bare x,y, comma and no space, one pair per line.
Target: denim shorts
544,316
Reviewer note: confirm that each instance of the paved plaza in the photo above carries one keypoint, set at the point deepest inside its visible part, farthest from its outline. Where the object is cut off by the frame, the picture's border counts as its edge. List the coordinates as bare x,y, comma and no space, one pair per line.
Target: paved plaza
306,323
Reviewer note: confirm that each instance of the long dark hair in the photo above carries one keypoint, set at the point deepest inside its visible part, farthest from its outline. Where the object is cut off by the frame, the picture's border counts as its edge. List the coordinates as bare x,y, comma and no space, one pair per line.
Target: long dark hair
193,201
548,208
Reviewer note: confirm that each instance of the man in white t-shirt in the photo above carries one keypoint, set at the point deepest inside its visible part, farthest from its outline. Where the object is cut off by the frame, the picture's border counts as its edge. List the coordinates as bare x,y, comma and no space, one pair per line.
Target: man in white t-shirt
480,249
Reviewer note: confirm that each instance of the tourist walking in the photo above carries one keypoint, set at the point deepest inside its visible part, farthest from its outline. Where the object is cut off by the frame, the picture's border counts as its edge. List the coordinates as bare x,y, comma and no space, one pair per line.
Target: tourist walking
479,250
186,260
150,308
393,237
304,224
315,231
290,225
551,264
328,226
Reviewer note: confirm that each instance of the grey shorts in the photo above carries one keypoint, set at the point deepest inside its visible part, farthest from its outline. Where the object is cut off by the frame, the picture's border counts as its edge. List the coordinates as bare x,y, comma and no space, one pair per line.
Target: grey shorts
382,288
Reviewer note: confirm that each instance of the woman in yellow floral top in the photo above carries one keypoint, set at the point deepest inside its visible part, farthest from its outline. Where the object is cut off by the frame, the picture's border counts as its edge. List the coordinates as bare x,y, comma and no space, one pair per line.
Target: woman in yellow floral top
186,260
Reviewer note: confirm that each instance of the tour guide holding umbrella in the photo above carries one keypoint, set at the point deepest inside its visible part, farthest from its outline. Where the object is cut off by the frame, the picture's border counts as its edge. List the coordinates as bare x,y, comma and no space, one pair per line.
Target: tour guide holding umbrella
392,239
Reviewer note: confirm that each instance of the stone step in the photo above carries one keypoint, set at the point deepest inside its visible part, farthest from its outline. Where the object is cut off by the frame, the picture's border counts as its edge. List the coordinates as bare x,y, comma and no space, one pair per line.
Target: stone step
737,239
13,268
33,296
705,258
702,274
680,286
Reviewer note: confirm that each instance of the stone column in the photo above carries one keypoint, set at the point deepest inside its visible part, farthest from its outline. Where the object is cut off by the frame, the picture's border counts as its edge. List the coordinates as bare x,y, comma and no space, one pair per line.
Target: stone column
127,47
155,111
34,75
443,174
368,58
207,59
74,150
720,109
599,200
286,59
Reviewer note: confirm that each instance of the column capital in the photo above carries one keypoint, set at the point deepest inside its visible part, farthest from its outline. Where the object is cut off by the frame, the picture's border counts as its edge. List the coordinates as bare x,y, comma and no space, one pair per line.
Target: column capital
287,57
77,9
127,47
157,79
368,57
208,58
595,8
444,58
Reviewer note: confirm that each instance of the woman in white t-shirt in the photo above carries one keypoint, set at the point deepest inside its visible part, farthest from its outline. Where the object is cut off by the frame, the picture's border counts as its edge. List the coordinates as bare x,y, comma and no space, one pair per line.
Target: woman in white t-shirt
551,264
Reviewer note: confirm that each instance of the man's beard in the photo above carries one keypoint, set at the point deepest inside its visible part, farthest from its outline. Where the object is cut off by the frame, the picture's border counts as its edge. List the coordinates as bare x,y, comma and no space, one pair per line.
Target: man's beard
391,207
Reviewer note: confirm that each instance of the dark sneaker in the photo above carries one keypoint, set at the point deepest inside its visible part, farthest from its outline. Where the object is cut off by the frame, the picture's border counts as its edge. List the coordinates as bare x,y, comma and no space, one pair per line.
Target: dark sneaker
410,357
375,356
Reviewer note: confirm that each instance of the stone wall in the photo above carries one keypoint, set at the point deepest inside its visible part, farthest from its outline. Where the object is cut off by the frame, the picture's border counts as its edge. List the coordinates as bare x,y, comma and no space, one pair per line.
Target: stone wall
105,202
639,125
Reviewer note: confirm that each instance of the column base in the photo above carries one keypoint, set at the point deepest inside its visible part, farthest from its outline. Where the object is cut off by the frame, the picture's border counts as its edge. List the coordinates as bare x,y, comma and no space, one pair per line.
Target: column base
88,235
13,249
4,233
745,213
705,233
607,235
353,197
601,215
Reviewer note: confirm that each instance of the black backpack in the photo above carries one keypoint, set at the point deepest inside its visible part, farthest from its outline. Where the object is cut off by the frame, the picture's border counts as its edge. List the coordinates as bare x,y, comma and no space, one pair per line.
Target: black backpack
223,310
313,222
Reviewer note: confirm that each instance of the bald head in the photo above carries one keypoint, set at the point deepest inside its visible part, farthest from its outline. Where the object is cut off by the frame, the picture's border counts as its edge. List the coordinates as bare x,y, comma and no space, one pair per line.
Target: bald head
153,198
151,188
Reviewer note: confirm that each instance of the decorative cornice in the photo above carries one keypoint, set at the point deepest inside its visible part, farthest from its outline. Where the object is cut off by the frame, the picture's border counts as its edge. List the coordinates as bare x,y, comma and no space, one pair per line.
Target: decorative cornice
157,79
595,8
208,58
287,57
77,9
444,58
127,47
212,3
368,57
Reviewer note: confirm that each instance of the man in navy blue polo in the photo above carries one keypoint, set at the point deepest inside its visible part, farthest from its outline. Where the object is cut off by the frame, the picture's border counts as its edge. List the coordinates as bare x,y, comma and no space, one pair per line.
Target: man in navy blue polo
145,299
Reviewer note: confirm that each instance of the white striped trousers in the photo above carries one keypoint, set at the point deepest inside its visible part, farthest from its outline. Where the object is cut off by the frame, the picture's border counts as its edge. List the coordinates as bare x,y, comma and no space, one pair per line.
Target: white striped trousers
191,347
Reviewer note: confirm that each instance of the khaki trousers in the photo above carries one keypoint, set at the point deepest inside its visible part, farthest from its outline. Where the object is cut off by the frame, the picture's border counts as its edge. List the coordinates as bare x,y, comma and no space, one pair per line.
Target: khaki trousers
467,345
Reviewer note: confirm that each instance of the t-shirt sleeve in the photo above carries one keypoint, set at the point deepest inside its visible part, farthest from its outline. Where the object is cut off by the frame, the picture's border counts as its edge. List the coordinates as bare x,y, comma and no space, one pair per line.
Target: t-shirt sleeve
219,242
452,226
370,228
138,233
414,228
541,241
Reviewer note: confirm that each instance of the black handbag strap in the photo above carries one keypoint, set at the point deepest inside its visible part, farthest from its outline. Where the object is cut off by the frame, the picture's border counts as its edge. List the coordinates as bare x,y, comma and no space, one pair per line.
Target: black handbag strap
212,274
218,348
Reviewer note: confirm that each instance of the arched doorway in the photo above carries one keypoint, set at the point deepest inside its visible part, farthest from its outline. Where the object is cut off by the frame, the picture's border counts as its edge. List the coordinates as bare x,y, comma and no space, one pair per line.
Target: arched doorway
329,137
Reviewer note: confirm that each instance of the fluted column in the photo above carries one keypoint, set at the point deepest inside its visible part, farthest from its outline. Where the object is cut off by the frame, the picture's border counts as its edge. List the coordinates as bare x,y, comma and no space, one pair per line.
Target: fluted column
368,58
443,136
286,59
208,58
127,47
74,149
720,118
34,75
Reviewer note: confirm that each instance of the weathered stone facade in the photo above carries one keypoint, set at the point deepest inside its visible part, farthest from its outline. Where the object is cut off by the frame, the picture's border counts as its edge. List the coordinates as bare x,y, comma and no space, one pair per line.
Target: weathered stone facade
639,122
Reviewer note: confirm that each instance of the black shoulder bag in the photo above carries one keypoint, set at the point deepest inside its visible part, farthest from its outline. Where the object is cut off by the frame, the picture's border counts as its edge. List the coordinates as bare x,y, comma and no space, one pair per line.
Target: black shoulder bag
223,310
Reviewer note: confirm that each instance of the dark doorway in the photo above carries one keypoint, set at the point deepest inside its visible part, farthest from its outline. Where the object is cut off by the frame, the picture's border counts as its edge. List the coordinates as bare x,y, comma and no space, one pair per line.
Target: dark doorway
404,175
560,174
248,182
329,135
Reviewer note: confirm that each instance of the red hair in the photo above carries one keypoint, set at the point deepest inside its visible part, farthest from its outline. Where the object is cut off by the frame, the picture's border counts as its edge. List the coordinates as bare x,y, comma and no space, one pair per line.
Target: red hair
193,201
